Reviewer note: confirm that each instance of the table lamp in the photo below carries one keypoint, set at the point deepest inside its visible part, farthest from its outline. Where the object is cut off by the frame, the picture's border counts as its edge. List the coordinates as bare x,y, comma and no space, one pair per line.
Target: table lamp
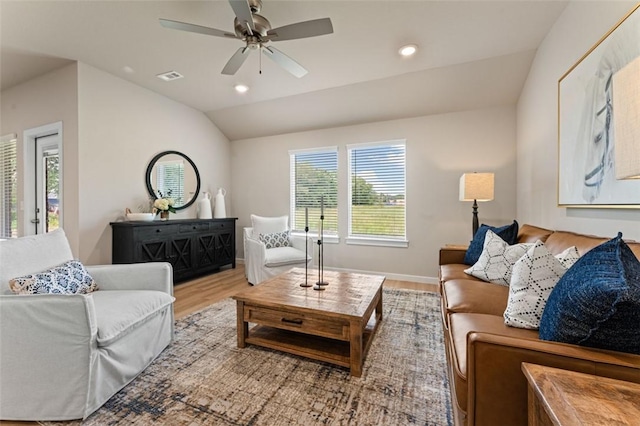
626,120
476,187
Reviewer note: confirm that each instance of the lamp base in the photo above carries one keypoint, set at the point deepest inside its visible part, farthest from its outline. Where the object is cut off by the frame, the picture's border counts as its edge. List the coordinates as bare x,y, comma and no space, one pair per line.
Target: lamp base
474,225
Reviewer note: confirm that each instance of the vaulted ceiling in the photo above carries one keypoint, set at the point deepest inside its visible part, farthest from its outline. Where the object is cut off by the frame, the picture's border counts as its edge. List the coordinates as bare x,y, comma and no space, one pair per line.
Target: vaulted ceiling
472,54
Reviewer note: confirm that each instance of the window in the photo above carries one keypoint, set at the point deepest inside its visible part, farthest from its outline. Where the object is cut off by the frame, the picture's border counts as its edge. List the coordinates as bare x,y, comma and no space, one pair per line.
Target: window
314,182
377,193
170,180
8,187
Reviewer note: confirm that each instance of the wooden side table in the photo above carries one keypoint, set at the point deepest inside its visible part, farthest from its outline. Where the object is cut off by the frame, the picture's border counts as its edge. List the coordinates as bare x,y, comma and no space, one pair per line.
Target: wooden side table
567,398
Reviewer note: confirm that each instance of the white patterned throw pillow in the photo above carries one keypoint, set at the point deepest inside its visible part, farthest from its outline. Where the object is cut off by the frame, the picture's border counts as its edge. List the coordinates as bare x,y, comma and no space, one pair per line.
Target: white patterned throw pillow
497,259
533,278
275,240
69,278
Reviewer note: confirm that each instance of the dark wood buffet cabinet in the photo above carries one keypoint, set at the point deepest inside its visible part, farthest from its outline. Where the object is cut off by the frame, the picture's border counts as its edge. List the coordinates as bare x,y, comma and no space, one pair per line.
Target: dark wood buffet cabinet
192,246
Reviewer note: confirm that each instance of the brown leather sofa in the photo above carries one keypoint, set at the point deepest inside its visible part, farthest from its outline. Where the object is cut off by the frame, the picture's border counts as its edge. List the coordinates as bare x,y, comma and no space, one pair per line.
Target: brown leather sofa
484,355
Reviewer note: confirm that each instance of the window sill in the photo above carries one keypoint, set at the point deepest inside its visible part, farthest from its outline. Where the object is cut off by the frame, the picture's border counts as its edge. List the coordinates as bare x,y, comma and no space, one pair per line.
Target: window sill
372,241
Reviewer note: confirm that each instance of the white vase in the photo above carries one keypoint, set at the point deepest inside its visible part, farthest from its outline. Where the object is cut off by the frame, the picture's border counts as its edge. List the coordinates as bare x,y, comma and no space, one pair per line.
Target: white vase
204,206
219,210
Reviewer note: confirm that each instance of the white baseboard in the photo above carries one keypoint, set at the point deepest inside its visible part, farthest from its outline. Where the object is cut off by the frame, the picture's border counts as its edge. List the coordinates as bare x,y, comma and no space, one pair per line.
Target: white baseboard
389,275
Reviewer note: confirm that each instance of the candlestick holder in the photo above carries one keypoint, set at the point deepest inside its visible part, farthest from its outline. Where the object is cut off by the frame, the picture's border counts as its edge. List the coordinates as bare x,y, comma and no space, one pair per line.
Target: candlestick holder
306,255
321,282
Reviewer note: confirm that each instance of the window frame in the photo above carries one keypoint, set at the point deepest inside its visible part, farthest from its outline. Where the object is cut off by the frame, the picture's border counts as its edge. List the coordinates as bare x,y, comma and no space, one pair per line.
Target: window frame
8,154
328,237
375,240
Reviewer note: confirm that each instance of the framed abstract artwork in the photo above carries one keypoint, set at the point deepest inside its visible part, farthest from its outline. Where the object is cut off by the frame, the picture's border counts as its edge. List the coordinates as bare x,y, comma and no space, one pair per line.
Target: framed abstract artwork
586,137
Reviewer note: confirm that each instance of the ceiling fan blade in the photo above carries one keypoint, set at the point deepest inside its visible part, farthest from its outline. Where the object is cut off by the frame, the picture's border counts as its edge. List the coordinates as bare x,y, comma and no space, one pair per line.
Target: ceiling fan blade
236,61
284,61
316,27
192,28
243,13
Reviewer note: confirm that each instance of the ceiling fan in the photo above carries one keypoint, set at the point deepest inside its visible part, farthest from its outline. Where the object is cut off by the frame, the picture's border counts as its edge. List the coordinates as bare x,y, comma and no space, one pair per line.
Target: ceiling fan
255,30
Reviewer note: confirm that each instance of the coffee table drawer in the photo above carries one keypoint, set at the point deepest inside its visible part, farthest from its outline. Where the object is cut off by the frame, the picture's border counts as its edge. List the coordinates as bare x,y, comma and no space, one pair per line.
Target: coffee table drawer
302,323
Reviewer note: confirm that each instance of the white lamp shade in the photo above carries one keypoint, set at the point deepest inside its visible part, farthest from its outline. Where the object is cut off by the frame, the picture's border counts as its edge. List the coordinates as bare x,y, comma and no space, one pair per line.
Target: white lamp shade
626,120
476,186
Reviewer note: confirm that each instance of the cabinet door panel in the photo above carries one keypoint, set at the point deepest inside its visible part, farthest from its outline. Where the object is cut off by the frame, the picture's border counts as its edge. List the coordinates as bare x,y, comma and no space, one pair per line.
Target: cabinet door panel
206,250
152,251
180,255
225,248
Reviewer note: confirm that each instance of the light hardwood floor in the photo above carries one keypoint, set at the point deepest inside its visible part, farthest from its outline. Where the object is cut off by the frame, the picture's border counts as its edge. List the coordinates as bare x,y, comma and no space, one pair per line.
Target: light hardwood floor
194,295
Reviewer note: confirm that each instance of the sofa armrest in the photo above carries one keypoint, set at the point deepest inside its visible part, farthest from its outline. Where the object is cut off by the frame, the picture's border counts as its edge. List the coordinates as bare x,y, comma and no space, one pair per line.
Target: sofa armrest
156,276
497,388
452,254
46,339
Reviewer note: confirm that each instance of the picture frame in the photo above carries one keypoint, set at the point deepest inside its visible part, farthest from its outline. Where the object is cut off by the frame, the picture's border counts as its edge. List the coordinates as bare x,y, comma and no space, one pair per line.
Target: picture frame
586,140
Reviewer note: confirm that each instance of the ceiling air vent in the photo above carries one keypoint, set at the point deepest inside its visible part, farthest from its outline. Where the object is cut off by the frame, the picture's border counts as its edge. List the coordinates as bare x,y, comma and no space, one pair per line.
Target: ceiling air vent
169,76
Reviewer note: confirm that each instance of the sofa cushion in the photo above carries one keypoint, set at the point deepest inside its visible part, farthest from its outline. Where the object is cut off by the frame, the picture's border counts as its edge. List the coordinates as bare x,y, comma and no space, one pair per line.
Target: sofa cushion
118,312
455,271
276,239
497,259
533,278
268,225
531,234
475,296
281,256
69,278
27,255
597,302
508,233
461,324
560,240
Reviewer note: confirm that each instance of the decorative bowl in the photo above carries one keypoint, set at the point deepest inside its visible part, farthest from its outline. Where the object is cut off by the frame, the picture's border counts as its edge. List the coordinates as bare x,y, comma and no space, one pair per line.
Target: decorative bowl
144,217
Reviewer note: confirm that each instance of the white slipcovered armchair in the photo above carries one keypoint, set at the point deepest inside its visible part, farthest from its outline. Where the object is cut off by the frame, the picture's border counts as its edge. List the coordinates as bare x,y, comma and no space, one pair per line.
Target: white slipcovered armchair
262,263
63,356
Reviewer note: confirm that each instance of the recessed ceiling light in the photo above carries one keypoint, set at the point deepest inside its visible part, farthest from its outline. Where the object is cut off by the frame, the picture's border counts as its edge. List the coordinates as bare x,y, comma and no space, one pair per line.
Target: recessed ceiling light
241,88
408,50
170,76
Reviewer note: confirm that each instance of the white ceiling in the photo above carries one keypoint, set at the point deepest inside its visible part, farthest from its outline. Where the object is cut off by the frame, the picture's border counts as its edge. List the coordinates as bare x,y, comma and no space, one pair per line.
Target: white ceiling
471,54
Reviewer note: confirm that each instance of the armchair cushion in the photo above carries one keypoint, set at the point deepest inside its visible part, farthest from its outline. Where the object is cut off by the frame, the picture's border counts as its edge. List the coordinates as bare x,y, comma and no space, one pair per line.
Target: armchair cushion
68,278
276,239
26,255
268,225
284,256
121,311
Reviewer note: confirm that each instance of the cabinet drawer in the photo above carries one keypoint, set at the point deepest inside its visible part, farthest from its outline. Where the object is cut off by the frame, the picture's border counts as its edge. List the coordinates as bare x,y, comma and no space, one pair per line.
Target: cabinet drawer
303,323
194,227
222,226
155,232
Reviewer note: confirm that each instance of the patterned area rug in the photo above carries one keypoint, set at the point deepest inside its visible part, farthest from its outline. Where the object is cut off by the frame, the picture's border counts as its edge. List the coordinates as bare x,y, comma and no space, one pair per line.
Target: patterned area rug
203,378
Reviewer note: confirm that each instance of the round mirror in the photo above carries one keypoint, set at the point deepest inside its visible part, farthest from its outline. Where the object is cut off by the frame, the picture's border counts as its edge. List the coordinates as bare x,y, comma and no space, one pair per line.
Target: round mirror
172,174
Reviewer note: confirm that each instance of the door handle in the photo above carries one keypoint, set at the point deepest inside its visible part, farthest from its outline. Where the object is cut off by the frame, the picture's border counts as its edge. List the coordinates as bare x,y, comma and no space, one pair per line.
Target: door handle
35,220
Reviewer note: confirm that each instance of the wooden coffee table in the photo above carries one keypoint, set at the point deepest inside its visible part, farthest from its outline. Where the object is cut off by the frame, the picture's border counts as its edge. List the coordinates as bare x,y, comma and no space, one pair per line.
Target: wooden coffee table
335,325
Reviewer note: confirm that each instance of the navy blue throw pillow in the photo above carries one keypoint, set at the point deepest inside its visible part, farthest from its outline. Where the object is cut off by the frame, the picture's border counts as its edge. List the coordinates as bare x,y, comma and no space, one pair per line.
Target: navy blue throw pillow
509,233
597,301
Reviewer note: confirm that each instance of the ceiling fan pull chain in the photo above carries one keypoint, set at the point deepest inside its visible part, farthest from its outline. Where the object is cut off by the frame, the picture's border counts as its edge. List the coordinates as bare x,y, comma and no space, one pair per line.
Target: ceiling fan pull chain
260,66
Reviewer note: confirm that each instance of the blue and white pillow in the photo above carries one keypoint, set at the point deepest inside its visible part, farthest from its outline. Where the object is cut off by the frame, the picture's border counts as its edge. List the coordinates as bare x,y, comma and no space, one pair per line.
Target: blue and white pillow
596,303
69,278
508,233
275,240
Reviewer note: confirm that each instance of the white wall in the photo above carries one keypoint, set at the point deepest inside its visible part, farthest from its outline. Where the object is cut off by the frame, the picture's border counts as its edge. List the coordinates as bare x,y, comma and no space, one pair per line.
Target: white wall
580,26
439,149
44,100
121,127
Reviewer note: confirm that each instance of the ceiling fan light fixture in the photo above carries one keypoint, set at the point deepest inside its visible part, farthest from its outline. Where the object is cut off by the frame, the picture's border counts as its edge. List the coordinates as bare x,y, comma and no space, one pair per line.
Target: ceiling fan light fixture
408,50
241,88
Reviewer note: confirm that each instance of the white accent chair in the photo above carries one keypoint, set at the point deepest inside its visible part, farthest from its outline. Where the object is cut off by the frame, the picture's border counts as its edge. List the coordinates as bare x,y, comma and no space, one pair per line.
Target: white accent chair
63,356
262,263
